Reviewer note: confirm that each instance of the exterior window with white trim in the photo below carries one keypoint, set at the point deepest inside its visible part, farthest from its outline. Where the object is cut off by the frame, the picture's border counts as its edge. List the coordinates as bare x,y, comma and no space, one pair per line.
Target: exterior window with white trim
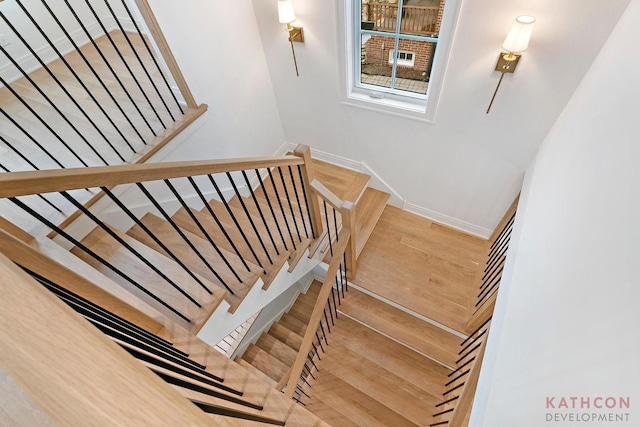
393,49
409,27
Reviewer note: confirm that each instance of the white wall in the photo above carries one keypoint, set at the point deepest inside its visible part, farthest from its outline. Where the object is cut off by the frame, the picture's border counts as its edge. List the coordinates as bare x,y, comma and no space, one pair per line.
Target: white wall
566,320
467,165
218,48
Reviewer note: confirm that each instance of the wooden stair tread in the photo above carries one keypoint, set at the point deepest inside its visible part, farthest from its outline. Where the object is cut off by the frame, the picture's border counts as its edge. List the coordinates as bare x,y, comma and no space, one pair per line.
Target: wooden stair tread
330,414
353,403
270,271
282,333
166,234
401,361
418,334
342,182
293,324
103,245
255,371
368,211
277,349
375,381
265,362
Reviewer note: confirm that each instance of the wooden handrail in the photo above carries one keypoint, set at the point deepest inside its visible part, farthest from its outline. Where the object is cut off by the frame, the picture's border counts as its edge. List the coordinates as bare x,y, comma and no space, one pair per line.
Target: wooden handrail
326,194
318,309
70,371
165,51
464,404
304,153
14,184
112,299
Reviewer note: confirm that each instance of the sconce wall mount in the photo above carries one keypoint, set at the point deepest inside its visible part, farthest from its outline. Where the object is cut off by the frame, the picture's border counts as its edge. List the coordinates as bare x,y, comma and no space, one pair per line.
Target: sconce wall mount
517,41
286,15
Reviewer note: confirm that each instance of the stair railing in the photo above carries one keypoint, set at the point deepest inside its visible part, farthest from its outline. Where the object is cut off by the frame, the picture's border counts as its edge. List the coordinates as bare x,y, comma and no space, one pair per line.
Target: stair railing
342,256
490,274
100,94
460,390
54,358
275,188
79,359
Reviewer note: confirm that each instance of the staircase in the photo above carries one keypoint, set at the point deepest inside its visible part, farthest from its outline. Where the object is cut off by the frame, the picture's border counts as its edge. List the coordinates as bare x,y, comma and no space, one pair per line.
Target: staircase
197,269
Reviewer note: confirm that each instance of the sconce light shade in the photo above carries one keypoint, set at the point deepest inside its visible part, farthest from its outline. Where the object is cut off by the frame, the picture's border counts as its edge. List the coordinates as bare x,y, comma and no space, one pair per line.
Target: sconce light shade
286,15
518,38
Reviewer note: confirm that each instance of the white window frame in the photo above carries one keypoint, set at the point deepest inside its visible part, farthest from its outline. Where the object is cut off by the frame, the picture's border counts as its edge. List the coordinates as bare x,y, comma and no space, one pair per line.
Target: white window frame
407,104
403,61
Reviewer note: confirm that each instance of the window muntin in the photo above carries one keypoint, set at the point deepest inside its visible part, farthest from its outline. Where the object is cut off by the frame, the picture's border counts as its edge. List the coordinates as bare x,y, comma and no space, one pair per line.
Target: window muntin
409,27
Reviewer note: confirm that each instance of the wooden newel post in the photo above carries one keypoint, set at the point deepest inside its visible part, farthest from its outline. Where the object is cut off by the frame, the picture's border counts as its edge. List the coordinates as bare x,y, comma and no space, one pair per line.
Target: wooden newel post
308,177
348,212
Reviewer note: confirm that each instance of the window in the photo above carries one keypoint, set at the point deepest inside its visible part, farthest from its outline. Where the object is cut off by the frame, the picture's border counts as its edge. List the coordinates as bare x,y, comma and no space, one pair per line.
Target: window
394,50
403,58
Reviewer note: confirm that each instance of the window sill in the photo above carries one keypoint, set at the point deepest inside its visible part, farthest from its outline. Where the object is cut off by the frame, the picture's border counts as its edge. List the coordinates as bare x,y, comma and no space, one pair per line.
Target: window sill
414,109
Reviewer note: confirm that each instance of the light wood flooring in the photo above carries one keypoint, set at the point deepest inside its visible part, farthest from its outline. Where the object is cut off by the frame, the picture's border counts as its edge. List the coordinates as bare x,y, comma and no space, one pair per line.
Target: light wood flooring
421,265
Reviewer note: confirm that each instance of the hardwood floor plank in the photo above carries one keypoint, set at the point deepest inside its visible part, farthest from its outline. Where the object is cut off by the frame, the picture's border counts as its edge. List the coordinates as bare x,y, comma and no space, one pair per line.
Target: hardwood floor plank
422,266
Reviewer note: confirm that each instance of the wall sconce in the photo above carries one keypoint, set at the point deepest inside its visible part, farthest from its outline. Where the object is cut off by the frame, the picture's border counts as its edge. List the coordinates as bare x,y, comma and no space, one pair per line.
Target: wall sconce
517,41
286,15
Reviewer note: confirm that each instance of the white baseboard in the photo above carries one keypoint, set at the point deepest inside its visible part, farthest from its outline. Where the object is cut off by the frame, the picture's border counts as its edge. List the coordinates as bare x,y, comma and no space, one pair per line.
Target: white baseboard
377,182
448,221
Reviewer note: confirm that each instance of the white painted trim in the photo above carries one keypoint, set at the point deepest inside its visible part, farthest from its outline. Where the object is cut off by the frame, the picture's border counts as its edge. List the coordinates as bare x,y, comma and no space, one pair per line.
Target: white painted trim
448,221
377,182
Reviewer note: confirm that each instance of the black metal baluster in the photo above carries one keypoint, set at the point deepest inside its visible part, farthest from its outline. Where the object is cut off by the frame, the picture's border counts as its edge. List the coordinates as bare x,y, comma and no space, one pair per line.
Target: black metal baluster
126,64
335,225
284,216
59,83
179,231
95,256
135,52
41,120
342,277
106,61
337,287
286,192
246,211
40,196
344,264
255,201
326,217
237,224
324,335
151,234
204,233
319,342
151,54
315,349
326,318
310,359
304,193
93,71
295,191
215,218
96,311
130,248
330,312
333,296
273,214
